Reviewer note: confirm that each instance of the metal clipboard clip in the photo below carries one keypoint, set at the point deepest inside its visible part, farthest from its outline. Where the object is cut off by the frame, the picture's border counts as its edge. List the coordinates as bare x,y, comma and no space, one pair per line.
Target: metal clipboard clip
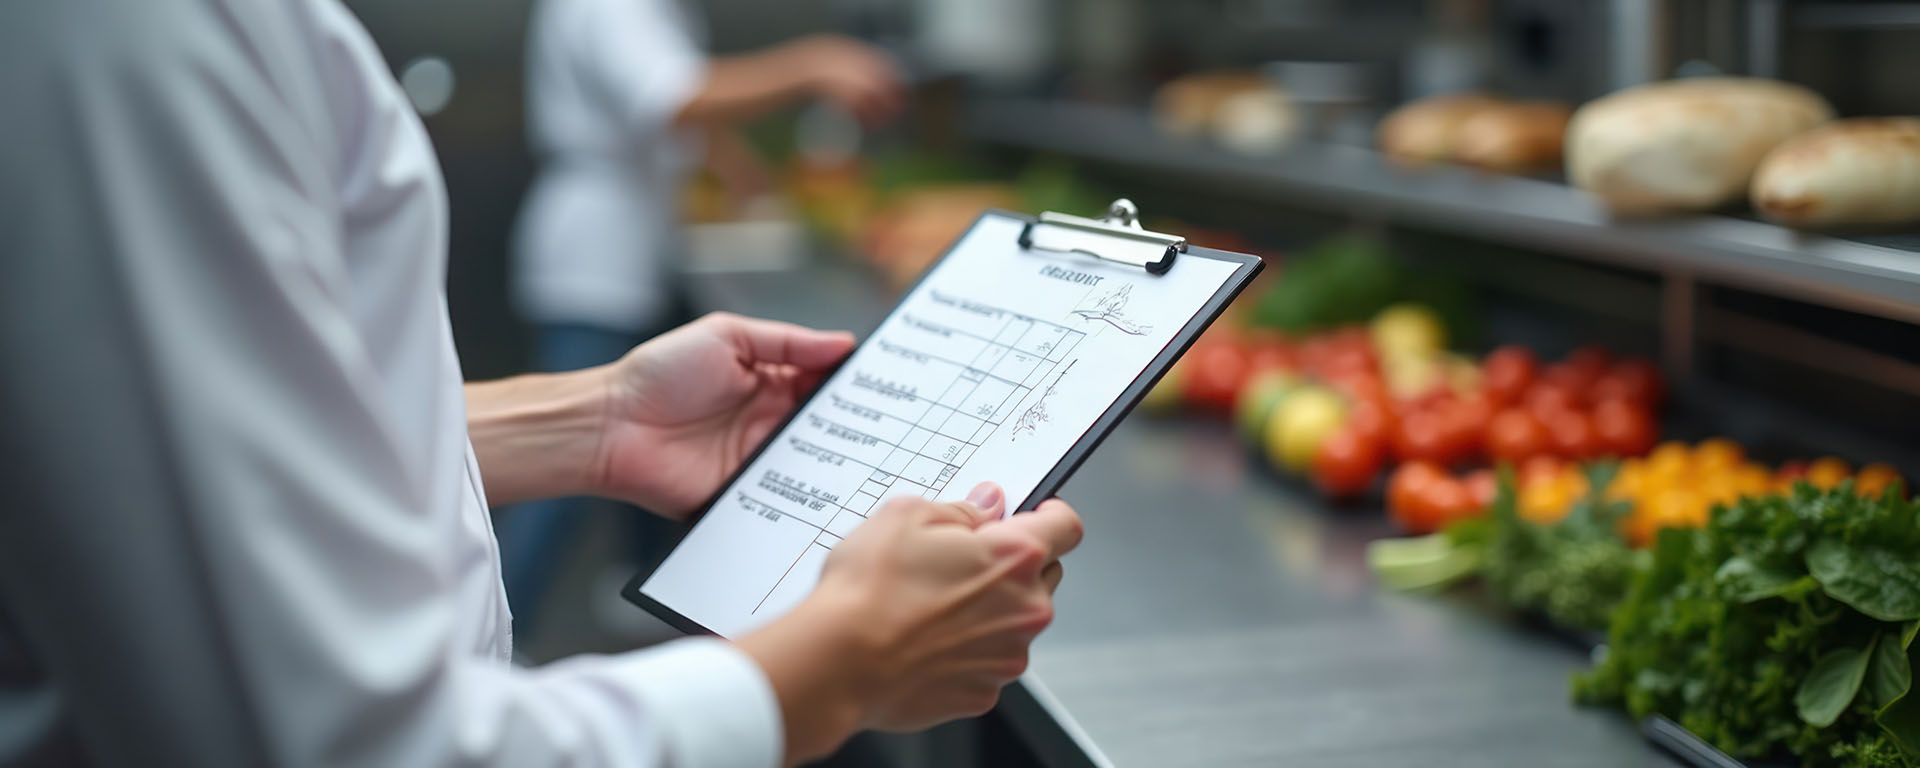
1122,221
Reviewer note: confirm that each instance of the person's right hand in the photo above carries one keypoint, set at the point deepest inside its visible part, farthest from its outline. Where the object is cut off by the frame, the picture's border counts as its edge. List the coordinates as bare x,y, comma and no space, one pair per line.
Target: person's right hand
922,615
850,74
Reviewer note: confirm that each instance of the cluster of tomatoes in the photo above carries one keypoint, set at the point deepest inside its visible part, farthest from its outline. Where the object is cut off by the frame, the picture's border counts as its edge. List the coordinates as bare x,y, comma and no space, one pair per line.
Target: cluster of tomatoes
1543,419
1585,406
1510,407
1422,496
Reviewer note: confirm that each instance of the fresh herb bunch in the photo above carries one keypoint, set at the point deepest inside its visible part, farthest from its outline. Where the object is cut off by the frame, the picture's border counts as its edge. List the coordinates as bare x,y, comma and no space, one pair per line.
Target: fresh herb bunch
1575,571
1784,626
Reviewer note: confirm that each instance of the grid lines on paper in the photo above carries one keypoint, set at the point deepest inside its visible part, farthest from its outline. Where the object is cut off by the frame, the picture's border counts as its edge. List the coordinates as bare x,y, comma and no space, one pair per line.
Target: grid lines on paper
983,360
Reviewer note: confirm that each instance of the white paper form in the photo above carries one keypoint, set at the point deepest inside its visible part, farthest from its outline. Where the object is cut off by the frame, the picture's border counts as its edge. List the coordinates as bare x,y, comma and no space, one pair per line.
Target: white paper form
991,369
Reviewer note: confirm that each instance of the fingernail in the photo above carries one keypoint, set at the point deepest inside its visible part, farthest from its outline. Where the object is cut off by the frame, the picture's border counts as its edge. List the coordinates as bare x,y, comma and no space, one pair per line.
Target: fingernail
984,495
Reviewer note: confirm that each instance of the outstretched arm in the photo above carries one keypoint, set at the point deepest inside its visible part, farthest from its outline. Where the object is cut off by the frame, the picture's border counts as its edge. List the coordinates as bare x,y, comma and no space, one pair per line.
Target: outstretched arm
838,69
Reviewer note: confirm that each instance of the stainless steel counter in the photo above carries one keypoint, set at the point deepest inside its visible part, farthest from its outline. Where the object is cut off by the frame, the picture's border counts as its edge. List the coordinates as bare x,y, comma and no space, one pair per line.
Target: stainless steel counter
1216,616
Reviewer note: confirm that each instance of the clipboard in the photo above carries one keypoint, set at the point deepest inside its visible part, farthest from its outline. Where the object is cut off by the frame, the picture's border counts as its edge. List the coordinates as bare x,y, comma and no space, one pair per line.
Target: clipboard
1116,241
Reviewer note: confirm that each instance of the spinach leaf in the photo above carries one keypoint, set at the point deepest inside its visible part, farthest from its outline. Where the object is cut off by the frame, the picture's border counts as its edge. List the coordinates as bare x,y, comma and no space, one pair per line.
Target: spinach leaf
1831,686
1875,581
1899,716
1746,581
1888,673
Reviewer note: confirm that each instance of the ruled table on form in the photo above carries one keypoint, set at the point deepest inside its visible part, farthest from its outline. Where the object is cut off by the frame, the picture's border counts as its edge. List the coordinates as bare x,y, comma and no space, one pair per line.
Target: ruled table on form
991,369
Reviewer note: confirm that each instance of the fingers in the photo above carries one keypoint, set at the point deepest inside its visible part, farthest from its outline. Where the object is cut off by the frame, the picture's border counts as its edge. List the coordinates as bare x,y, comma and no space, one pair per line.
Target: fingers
1051,575
948,513
1054,524
990,500
767,341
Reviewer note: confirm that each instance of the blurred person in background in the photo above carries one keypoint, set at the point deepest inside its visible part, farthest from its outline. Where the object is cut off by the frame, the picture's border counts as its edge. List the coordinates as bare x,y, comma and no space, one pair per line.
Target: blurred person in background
622,104
247,489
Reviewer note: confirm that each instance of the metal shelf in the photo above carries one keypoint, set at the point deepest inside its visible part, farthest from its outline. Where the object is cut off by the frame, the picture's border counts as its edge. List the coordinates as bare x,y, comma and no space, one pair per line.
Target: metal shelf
1873,16
1879,276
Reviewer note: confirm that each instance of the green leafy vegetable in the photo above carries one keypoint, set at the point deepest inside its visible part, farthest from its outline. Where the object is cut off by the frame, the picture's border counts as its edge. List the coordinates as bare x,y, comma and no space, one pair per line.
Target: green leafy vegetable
1760,631
1340,280
1873,580
1575,571
1888,673
1900,715
1832,684
1747,581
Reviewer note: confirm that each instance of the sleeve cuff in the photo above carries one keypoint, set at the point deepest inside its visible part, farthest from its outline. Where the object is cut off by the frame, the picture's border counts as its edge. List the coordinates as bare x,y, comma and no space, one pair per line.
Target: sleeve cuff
712,704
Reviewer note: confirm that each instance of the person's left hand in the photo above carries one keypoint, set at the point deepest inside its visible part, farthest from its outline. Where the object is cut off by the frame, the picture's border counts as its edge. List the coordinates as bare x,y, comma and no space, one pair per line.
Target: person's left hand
686,408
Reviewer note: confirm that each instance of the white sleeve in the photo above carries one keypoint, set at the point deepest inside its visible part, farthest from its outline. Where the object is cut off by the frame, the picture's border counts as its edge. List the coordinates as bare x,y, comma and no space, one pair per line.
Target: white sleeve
638,58
224,555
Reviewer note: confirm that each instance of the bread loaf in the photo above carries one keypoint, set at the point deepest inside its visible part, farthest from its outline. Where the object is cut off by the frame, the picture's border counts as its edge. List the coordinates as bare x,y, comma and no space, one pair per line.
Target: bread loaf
1190,105
1689,144
1513,137
1425,131
1862,171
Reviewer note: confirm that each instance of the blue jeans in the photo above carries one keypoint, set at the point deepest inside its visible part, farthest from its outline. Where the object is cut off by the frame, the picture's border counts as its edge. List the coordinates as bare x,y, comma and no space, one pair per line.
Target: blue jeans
535,536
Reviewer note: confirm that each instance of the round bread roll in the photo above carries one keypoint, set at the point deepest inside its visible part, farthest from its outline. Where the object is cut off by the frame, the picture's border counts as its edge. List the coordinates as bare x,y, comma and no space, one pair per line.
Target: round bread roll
1687,144
1425,131
1513,137
1861,171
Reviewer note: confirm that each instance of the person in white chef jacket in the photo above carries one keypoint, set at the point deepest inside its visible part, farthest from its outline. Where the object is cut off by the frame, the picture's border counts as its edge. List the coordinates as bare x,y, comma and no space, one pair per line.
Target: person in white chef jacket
622,104
247,490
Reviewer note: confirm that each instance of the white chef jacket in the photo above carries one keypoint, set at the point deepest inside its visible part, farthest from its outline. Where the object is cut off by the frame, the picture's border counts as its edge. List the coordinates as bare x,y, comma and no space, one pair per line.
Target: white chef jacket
245,524
597,239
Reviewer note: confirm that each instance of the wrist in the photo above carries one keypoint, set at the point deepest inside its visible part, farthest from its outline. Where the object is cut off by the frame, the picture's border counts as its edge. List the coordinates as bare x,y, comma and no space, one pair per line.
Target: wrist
539,435
823,671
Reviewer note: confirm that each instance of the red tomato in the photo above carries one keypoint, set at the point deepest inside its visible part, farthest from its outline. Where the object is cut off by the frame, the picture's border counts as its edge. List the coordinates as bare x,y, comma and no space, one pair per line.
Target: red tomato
1360,385
1406,495
1345,463
1635,380
1482,486
1215,371
1514,434
1313,353
1572,434
1589,361
1466,430
1507,372
1350,361
1268,351
1574,381
1424,435
1623,428
1546,398
1444,500
1372,418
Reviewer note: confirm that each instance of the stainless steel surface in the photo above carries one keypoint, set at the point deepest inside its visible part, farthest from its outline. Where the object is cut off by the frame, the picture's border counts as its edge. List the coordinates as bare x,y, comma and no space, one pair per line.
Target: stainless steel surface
1213,616
1763,38
1850,274
1640,34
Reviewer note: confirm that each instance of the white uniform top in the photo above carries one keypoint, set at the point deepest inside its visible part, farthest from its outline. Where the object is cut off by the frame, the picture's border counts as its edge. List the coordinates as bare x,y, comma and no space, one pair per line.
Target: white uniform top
596,241
249,526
